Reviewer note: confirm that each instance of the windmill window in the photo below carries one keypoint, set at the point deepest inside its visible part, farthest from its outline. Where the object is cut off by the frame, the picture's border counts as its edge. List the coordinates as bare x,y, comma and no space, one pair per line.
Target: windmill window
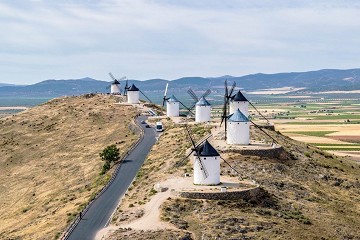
204,158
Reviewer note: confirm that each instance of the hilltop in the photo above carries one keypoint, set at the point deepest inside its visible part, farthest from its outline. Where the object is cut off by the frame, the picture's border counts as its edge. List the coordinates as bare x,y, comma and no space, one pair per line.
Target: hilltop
307,194
315,81
50,164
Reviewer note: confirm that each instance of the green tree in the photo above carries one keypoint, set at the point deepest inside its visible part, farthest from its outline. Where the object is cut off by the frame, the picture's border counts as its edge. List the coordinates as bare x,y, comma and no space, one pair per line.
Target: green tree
110,153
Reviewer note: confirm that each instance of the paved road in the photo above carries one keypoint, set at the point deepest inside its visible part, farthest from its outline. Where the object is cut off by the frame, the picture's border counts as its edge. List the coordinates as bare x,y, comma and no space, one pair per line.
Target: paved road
100,211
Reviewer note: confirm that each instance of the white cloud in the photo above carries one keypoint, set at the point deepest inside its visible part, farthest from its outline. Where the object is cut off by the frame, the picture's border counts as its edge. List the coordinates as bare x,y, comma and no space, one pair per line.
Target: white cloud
167,38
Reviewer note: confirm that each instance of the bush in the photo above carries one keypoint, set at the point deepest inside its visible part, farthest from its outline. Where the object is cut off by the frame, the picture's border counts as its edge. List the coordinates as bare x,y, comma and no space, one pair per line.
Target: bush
110,153
105,168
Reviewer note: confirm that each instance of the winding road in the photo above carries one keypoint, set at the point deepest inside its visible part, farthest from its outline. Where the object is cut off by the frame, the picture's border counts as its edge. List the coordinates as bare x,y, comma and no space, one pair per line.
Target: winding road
99,213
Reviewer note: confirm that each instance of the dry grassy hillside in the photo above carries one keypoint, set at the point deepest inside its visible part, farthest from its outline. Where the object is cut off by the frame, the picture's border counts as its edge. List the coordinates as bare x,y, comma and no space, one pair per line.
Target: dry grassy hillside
310,195
49,161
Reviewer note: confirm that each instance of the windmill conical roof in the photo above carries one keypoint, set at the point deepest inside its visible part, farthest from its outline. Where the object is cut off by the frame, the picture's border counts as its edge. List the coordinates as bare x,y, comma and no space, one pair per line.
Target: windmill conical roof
172,99
239,97
115,82
206,150
237,116
133,88
203,102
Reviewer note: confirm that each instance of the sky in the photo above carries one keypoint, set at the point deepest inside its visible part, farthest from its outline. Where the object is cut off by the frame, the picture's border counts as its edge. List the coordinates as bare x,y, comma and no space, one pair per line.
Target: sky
144,39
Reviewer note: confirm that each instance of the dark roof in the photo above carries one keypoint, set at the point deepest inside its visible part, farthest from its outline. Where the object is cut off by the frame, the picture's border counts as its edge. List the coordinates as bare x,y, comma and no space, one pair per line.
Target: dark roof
115,82
237,116
172,99
207,150
133,88
202,102
239,97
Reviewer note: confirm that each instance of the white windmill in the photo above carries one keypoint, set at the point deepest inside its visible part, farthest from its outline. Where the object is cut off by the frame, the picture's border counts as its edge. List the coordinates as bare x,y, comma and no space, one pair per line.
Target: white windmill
238,129
172,104
172,107
210,159
115,85
206,162
237,124
239,101
203,110
133,94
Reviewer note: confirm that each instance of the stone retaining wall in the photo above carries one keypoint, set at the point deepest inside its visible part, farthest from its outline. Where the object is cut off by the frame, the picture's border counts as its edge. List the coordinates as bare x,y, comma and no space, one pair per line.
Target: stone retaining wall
269,127
249,194
276,152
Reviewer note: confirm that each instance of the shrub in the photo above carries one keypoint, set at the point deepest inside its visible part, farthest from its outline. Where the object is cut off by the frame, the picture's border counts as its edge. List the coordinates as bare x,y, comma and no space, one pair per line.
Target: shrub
110,153
105,168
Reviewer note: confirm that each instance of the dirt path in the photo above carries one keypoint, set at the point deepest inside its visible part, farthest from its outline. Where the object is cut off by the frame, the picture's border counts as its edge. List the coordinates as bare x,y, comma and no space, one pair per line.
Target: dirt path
149,221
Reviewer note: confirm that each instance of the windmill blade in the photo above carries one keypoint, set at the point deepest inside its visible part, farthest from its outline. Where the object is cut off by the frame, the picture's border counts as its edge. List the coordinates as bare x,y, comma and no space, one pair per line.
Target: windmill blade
180,163
202,166
192,106
206,93
164,99
123,78
196,149
190,137
112,76
224,114
226,101
232,89
189,109
166,88
193,95
126,87
226,89
145,96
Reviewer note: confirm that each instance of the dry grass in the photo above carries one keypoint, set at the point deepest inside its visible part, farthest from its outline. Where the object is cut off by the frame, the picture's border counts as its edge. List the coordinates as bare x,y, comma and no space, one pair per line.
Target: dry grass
158,166
49,161
314,195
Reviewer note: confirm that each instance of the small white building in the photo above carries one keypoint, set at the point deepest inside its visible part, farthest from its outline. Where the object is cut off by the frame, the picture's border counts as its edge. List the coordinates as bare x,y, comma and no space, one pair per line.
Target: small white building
239,101
133,95
210,159
238,129
115,87
202,111
172,107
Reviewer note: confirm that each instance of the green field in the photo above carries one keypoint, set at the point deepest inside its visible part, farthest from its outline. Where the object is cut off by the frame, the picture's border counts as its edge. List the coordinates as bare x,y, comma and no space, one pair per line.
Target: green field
334,144
314,133
340,149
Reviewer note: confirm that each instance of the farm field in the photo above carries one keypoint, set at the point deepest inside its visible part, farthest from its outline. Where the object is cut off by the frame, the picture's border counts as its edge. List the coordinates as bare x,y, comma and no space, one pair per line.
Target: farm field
332,125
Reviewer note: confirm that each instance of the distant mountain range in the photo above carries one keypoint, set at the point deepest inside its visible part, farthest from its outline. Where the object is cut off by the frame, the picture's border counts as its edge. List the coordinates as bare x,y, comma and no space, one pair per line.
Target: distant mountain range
321,80
6,84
